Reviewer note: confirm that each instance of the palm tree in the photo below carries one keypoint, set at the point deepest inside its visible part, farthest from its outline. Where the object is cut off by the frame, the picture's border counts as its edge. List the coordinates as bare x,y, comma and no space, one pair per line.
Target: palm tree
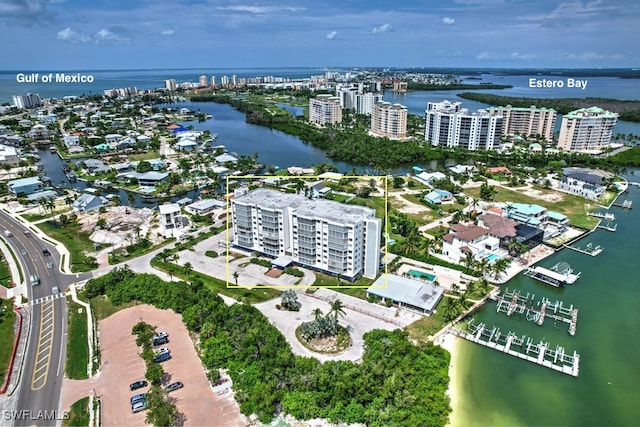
451,309
484,286
455,288
427,245
469,260
317,313
500,266
337,308
463,299
187,268
482,266
164,255
235,277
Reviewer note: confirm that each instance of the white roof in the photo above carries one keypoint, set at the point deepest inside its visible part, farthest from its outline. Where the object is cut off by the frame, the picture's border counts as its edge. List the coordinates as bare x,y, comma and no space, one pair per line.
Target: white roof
169,208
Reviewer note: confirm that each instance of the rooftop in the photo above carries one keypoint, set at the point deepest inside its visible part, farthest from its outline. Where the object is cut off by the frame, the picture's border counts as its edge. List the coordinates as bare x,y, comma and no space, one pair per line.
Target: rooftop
407,291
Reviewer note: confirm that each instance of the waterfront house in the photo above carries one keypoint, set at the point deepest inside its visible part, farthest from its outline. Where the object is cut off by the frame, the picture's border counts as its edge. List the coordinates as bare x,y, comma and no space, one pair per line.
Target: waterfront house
46,194
24,186
186,144
407,293
103,147
89,202
8,155
71,140
427,178
582,182
469,238
149,179
224,158
94,166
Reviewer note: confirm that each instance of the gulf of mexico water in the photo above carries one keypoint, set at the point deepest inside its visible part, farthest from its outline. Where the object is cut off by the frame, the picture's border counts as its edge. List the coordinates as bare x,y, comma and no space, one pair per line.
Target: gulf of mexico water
495,389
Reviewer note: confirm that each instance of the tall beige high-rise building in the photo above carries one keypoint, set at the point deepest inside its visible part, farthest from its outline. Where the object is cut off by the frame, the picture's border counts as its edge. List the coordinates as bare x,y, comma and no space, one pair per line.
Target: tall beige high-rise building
587,130
389,120
325,109
526,121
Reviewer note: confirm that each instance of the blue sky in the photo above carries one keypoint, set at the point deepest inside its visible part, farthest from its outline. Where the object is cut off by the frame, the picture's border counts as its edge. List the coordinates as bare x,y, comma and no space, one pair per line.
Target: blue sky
119,34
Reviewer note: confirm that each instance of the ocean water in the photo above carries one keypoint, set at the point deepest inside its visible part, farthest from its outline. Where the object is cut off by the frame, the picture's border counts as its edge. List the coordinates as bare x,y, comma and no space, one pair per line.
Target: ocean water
495,389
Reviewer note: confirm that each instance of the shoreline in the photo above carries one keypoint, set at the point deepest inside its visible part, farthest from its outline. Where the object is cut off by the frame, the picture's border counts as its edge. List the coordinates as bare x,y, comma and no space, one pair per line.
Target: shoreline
451,343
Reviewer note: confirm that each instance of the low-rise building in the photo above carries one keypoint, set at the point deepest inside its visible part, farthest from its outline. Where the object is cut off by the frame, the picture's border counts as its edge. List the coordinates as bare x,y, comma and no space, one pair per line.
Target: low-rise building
89,202
438,197
407,293
24,186
583,182
169,215
205,207
8,155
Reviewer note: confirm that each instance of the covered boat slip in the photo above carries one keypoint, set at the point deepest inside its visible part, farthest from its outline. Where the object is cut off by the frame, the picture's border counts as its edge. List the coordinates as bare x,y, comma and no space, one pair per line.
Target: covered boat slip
559,275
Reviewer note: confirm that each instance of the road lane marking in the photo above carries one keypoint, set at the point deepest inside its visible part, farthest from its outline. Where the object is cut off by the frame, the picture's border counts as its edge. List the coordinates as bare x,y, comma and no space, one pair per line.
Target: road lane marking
44,347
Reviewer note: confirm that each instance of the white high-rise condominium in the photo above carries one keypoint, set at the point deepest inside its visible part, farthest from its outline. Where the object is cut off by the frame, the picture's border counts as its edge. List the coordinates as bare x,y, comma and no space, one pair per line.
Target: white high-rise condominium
213,81
366,101
587,130
449,125
389,120
325,109
30,100
170,84
526,121
320,234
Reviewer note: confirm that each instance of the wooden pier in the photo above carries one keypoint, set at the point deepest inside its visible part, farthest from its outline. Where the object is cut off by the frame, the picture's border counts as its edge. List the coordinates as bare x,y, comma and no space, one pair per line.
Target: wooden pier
607,216
521,347
607,226
589,250
514,302
627,204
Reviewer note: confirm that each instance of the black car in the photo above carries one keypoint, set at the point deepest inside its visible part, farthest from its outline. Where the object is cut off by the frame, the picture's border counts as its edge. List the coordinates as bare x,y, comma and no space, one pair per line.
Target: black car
162,357
138,384
173,386
159,341
46,252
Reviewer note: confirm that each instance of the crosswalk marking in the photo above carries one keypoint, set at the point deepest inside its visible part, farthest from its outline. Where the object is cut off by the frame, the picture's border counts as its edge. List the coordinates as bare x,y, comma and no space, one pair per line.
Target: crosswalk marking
45,299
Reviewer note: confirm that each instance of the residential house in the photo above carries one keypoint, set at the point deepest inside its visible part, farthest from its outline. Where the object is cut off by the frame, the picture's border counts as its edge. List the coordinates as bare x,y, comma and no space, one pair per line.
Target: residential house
582,182
205,207
71,140
407,293
428,178
438,197
113,138
89,202
170,215
24,186
149,179
463,239
8,155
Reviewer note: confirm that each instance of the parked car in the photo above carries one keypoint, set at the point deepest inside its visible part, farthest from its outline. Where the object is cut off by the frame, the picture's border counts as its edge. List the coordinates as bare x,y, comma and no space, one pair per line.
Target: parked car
139,406
162,358
173,386
163,350
159,341
137,385
138,398
161,335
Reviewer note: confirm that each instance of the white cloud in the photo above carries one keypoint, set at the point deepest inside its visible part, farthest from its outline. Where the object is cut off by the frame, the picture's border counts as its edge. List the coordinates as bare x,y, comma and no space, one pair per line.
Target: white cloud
448,21
167,32
491,56
71,36
22,7
384,28
261,9
105,35
332,35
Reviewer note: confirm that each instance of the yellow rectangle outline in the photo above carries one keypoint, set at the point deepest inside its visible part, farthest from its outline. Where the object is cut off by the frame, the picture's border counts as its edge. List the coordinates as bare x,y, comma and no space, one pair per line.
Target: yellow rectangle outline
260,177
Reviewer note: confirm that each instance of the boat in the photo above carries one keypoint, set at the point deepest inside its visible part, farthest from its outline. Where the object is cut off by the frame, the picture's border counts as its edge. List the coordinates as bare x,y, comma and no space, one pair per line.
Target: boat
72,177
53,149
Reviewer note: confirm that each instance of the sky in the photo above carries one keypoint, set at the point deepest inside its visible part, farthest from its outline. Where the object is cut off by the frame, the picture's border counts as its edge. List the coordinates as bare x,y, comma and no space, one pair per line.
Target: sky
133,34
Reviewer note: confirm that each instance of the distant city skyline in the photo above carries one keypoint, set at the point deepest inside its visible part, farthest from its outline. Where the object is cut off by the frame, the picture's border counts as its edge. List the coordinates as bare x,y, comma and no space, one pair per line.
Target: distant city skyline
119,34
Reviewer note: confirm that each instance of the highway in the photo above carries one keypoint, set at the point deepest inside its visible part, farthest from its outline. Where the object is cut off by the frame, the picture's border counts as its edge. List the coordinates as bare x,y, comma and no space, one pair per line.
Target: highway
43,365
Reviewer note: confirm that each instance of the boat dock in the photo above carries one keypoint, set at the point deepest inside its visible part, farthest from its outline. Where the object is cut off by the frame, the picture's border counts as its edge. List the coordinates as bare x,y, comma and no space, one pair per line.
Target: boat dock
589,250
559,275
608,225
607,216
627,204
514,302
521,347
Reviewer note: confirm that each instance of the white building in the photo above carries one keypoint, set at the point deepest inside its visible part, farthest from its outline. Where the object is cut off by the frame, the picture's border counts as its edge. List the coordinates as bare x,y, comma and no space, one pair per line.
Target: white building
8,155
449,125
170,215
170,84
30,100
389,120
587,130
324,235
366,101
325,109
526,121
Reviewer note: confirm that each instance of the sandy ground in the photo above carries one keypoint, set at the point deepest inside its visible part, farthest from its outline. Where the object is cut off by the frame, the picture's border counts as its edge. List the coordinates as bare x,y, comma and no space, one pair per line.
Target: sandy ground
450,343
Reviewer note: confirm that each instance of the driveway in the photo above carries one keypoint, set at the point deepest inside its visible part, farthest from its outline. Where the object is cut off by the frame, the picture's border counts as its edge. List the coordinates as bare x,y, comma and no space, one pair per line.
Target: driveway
122,365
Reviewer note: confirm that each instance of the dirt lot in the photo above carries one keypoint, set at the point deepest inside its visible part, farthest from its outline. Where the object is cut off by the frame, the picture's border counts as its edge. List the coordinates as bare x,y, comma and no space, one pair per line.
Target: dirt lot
122,365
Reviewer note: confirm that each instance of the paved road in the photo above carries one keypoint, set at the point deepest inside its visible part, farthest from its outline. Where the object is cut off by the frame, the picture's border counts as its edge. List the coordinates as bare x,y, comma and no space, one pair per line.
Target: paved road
43,366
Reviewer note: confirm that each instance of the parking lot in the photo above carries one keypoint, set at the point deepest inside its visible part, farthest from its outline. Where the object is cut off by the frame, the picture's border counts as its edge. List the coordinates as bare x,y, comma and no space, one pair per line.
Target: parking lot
122,365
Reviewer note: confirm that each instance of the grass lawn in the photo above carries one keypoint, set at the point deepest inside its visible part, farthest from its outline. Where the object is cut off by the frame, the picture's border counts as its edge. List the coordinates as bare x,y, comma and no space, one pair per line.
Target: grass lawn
77,345
356,289
420,330
103,308
151,154
377,203
607,198
438,231
7,320
253,295
76,242
340,197
5,273
39,216
78,413
571,206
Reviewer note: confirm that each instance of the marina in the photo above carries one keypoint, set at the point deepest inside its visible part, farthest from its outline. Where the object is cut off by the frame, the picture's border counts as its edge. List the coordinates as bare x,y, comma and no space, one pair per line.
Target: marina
606,216
588,250
521,347
515,302
559,275
627,204
608,226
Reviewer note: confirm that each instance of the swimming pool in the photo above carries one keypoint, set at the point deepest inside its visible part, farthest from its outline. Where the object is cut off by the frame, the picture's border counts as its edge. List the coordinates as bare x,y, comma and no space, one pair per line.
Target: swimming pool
492,257
422,275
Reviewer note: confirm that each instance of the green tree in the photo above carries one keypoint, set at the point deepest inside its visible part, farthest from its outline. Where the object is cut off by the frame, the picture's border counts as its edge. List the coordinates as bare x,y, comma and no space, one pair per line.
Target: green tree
187,268
235,277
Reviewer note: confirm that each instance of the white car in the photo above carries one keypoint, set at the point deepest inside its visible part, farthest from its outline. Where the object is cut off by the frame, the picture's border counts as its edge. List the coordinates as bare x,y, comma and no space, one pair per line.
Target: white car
55,290
163,350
